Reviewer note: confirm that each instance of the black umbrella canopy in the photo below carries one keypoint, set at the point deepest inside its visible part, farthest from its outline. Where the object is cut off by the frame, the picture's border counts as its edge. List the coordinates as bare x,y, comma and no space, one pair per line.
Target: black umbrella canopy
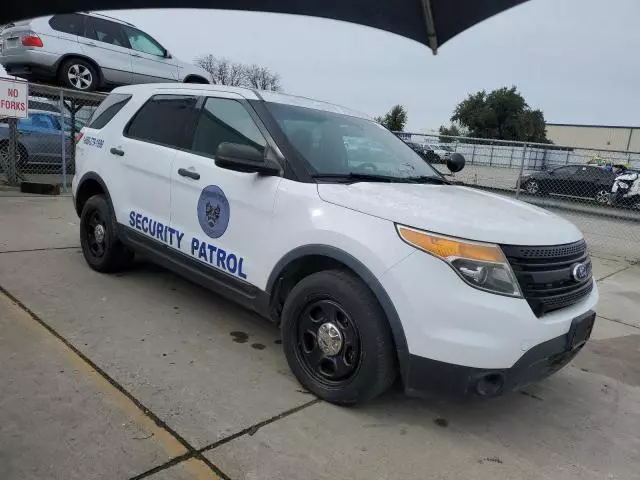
431,22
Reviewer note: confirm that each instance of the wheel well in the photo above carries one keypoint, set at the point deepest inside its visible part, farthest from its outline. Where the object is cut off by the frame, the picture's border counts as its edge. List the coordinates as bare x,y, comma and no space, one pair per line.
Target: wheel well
294,272
20,146
62,61
88,189
196,79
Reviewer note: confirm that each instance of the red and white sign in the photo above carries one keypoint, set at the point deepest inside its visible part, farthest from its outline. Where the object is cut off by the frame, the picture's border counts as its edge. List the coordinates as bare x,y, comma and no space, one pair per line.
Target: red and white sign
14,98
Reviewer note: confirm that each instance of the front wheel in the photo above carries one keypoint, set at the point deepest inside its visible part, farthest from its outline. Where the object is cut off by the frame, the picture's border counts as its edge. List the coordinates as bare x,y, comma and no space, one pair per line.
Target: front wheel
101,248
336,338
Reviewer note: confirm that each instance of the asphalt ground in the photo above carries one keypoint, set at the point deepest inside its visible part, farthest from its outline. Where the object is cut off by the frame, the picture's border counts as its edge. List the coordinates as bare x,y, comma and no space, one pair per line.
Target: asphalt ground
145,375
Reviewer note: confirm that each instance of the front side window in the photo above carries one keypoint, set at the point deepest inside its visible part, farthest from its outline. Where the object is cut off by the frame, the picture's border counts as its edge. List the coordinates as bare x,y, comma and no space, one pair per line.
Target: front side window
163,120
566,171
337,144
142,42
67,23
225,120
106,31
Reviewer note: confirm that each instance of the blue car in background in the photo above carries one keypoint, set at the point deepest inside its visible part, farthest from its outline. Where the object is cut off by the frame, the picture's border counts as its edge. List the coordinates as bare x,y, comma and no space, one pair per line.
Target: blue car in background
40,138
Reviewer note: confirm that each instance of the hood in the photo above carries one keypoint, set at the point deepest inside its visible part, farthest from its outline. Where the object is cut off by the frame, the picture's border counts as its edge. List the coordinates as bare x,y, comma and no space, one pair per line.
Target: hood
455,211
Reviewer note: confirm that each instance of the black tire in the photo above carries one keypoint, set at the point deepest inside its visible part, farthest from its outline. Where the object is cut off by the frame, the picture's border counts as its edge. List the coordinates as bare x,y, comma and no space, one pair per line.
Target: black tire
367,356
110,254
79,74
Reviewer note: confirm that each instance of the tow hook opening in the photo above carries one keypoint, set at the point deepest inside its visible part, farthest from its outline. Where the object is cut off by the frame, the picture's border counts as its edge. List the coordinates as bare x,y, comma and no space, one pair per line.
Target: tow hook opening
490,385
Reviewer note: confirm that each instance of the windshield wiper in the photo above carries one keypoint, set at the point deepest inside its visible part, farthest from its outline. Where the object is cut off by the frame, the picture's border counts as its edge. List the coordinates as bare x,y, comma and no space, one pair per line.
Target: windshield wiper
357,177
427,179
372,177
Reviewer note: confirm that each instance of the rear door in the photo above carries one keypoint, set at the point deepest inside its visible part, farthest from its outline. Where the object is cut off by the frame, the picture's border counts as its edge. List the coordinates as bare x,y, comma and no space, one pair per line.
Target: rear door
144,158
149,62
106,43
561,180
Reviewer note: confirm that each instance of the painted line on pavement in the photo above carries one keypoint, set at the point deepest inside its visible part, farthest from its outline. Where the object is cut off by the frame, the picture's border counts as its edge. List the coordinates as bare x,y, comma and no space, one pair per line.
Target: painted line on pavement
173,443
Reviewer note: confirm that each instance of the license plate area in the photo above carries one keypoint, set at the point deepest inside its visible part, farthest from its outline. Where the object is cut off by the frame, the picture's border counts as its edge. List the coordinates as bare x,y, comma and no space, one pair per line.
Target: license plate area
580,331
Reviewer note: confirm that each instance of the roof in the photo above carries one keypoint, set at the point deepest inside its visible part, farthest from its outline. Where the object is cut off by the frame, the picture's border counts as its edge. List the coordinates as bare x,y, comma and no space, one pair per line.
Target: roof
248,93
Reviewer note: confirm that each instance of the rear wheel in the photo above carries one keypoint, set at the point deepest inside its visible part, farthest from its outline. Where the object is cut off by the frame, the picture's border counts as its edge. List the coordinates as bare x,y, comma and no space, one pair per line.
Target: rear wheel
102,249
602,196
79,74
336,338
532,187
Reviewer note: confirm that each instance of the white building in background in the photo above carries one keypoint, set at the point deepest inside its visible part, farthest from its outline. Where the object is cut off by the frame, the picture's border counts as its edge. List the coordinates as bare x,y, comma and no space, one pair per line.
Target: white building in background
594,136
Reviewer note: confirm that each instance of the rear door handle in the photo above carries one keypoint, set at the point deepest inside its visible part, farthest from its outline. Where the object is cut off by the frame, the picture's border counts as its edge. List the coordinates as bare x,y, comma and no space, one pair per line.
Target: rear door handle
117,151
188,173
135,55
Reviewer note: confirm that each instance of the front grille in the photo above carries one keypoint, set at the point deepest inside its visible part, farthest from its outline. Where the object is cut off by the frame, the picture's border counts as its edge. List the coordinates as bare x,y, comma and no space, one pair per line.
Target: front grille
545,274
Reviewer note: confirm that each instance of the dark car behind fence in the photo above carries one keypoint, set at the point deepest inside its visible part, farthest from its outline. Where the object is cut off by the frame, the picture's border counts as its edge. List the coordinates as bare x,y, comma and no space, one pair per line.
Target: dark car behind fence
41,147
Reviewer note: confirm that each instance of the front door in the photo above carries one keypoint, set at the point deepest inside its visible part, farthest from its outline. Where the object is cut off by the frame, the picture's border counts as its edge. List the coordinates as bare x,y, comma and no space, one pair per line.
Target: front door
144,160
149,63
561,180
227,215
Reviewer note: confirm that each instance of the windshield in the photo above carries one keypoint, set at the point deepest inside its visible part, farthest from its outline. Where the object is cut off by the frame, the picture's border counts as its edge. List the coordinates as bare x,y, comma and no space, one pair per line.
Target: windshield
338,144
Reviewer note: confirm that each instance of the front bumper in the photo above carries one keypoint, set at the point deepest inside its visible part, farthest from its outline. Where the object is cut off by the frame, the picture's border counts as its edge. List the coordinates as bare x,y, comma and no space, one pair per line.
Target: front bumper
425,376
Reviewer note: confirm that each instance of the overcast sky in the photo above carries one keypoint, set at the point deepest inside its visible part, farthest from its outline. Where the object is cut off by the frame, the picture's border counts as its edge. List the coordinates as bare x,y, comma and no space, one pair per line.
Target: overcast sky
574,59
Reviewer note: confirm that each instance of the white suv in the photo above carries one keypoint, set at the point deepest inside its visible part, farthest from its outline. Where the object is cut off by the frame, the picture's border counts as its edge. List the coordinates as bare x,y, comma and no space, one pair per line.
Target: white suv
371,266
86,51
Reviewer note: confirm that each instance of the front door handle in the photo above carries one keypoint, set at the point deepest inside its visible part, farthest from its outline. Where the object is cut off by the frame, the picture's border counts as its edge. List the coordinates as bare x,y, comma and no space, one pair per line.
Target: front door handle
117,151
188,173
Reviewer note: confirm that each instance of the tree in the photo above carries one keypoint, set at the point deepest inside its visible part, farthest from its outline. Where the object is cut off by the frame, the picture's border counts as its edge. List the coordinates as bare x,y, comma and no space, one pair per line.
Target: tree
501,114
395,119
262,78
235,74
451,131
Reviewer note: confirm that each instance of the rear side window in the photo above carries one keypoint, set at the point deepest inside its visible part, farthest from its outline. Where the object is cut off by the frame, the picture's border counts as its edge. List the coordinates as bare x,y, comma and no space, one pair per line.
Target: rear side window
163,120
68,23
106,31
108,109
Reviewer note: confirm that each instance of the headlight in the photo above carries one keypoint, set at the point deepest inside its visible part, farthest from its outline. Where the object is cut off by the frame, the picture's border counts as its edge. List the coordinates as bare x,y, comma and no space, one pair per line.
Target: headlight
623,185
481,265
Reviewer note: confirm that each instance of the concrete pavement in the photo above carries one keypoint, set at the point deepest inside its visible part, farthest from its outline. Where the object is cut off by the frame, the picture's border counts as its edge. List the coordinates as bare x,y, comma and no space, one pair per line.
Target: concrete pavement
178,393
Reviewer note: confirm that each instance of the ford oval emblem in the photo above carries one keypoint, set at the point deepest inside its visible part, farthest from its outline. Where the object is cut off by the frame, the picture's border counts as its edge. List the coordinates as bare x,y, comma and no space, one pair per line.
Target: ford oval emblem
580,271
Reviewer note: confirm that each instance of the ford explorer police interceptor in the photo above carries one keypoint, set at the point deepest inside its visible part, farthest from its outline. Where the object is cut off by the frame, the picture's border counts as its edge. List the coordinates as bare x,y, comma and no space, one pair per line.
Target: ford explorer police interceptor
369,260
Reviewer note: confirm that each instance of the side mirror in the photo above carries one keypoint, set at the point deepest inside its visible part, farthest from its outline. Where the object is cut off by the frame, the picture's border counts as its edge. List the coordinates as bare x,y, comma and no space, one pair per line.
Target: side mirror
455,162
167,54
245,158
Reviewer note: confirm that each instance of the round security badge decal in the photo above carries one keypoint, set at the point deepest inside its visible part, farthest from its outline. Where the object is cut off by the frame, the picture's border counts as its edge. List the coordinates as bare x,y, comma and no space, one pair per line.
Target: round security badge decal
213,211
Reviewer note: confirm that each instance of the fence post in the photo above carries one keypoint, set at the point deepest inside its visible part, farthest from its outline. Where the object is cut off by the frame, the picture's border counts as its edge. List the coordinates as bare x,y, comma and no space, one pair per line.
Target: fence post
64,144
513,148
12,164
491,155
566,160
473,153
524,153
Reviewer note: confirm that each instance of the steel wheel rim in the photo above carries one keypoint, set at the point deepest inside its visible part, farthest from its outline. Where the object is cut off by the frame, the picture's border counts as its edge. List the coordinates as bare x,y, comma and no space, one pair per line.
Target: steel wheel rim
334,363
79,76
532,187
94,225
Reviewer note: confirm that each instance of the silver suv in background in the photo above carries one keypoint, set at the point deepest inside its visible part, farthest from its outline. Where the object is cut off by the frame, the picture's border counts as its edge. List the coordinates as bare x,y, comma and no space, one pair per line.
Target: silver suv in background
87,51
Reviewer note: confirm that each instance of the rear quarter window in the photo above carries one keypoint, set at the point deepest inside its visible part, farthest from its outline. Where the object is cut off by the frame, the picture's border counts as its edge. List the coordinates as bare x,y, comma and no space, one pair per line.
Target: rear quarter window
68,23
108,109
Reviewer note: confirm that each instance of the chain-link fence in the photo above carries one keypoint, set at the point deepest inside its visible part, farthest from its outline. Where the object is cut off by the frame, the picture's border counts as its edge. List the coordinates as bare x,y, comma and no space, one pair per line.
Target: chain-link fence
41,147
599,190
